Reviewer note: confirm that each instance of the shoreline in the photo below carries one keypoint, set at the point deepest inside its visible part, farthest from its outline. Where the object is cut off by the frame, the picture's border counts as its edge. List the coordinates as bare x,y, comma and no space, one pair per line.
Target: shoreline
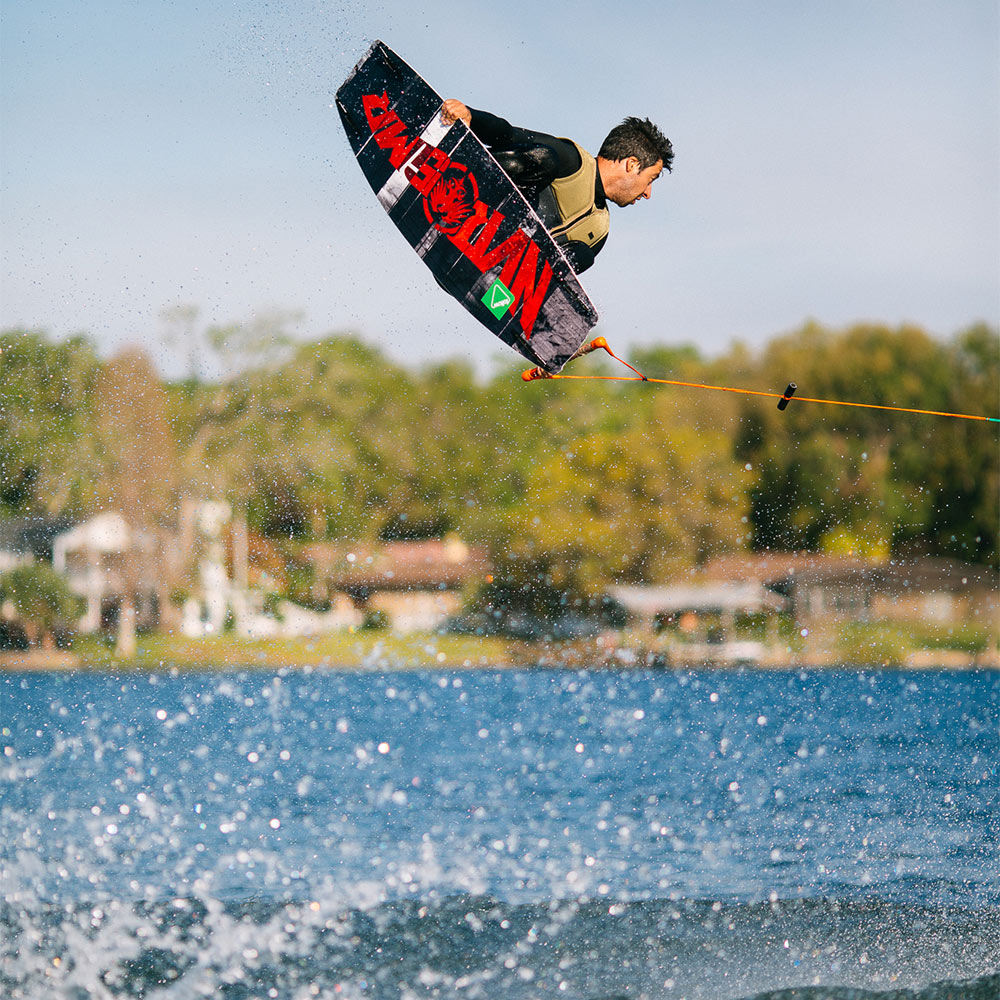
377,652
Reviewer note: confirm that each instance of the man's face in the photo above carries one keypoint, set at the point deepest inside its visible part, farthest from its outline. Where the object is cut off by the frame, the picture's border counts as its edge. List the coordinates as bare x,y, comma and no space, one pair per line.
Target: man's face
636,182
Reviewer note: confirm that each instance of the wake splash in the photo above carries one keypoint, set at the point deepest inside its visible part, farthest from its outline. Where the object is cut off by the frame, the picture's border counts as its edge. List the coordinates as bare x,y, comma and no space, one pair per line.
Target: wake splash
474,947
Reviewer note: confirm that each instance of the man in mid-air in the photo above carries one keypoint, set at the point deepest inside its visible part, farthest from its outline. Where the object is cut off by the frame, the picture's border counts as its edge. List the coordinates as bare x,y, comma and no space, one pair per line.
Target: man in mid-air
567,186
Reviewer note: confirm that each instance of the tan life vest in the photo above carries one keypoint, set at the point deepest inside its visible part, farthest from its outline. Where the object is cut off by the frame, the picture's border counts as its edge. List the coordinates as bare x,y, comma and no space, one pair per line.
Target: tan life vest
579,218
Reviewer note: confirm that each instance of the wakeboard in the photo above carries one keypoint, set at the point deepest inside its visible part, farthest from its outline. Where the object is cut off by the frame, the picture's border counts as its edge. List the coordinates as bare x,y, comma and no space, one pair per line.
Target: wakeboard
462,214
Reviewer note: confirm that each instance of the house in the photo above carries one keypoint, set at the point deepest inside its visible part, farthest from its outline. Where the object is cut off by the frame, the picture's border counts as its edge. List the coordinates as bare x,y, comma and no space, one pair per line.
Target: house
109,563
217,550
417,585
24,540
937,591
234,573
703,617
821,587
202,526
652,606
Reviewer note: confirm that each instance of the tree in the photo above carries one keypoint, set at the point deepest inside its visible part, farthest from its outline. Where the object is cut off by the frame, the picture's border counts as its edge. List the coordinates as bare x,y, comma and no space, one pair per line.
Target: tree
875,481
42,600
49,451
962,469
139,476
260,343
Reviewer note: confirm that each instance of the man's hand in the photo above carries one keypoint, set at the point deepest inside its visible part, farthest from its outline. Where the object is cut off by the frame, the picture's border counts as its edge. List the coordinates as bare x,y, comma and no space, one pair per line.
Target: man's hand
453,110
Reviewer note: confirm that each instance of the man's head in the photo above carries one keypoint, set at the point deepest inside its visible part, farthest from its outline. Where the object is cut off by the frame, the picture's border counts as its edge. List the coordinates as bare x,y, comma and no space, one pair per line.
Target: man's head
632,156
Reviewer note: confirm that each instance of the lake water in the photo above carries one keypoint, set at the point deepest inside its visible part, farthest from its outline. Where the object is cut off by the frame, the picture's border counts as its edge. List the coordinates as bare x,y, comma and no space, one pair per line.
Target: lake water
510,834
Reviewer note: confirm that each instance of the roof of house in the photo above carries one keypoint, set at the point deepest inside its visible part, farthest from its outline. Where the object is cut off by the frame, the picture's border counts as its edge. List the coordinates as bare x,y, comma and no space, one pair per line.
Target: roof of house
936,574
106,532
783,568
31,535
776,567
433,563
706,597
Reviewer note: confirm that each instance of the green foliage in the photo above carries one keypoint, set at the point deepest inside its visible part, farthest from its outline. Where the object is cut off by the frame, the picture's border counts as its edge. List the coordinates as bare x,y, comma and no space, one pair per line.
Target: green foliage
375,621
893,481
881,642
569,485
872,645
41,598
49,448
675,361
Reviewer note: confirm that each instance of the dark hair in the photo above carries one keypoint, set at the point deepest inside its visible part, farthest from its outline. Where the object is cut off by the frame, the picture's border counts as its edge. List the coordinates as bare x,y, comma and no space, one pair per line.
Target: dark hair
640,138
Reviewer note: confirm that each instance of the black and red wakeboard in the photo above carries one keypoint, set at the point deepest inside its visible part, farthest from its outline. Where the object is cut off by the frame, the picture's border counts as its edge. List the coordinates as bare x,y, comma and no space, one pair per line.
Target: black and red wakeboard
462,214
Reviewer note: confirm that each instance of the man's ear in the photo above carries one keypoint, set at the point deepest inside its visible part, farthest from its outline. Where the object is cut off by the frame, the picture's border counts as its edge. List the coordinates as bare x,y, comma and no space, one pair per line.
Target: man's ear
632,164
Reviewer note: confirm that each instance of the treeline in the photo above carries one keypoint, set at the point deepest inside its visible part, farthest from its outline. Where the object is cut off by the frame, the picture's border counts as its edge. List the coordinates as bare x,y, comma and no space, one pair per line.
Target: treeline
573,483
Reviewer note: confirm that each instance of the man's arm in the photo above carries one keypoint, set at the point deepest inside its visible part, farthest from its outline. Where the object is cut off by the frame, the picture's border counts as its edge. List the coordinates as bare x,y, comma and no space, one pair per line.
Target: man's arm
533,160
498,133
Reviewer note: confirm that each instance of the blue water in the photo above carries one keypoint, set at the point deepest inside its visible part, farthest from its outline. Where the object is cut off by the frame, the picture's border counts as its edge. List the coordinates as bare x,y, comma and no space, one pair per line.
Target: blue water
527,834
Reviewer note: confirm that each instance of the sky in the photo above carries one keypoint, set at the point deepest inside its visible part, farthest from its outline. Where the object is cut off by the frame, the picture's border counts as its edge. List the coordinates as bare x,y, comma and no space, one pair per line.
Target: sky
835,162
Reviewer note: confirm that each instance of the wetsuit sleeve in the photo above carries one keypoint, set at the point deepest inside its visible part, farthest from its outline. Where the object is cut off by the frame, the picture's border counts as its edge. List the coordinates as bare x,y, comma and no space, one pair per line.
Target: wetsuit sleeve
498,133
533,160
580,255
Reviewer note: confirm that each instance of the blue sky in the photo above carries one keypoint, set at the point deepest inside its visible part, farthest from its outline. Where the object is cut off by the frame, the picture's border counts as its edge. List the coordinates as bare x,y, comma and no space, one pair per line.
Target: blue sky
833,161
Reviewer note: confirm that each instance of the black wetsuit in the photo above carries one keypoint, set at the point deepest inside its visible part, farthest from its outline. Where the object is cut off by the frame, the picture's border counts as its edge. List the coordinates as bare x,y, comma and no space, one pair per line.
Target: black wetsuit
533,160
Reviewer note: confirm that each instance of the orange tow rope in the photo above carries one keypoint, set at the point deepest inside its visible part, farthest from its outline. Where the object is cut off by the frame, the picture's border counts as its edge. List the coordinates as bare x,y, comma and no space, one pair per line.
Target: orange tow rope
783,398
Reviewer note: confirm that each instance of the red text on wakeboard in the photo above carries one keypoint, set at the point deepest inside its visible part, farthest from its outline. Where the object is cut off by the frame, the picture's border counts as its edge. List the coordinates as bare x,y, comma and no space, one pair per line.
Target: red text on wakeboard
452,205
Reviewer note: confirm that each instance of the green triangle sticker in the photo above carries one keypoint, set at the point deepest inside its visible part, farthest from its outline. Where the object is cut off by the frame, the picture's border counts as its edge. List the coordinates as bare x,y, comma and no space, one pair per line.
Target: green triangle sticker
498,298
